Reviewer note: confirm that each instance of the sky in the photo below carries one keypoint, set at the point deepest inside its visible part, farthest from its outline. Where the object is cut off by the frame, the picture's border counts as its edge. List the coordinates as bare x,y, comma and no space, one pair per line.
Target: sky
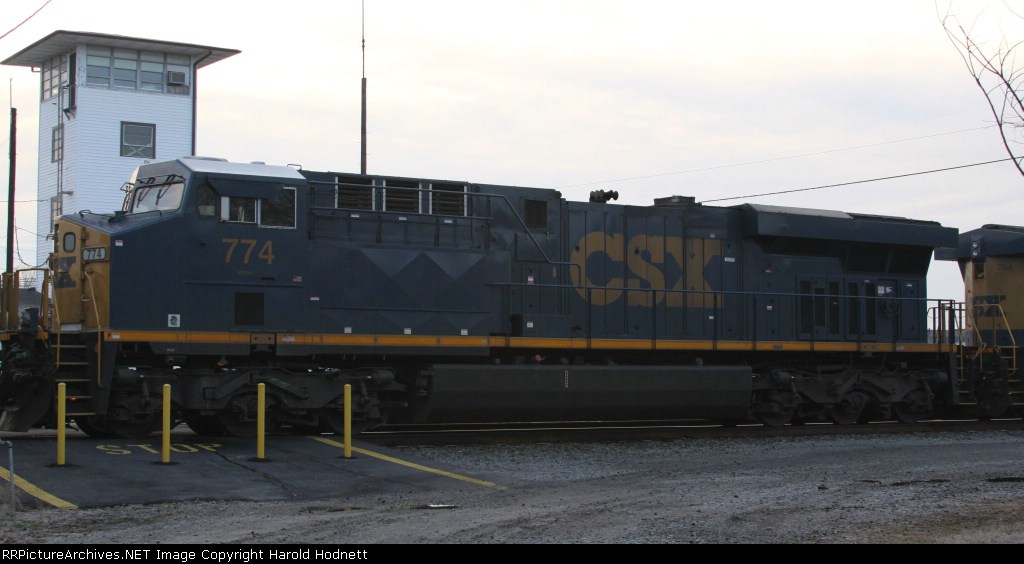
723,99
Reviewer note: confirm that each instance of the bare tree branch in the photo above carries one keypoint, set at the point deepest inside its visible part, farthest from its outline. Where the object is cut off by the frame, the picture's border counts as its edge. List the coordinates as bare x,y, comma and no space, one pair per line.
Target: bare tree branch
996,74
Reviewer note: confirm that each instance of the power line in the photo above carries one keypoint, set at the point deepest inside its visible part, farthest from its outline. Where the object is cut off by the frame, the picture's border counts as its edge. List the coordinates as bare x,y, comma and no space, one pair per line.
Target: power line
26,19
17,247
858,181
775,159
30,232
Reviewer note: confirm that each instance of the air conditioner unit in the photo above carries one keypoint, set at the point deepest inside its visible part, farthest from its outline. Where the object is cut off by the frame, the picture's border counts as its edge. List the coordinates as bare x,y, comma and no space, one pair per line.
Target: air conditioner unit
175,78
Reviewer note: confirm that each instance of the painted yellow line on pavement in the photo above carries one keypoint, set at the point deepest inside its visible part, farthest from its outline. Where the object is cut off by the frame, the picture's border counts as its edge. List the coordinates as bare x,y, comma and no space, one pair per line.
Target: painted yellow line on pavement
37,492
394,460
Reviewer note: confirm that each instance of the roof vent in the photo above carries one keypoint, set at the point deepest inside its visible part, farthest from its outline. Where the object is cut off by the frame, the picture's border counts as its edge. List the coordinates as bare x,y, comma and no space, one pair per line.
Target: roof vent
676,201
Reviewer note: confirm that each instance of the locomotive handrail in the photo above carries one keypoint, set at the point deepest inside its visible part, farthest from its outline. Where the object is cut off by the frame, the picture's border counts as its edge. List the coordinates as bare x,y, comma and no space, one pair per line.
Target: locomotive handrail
99,329
1001,315
716,299
947,318
11,302
946,324
56,324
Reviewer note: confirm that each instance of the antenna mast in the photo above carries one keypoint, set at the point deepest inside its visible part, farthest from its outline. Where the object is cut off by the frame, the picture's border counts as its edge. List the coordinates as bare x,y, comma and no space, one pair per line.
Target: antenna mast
362,160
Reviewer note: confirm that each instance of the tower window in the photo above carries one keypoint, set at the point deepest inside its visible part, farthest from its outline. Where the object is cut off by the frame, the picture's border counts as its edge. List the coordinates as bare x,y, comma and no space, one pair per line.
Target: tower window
126,68
56,209
138,140
138,70
97,66
57,144
55,74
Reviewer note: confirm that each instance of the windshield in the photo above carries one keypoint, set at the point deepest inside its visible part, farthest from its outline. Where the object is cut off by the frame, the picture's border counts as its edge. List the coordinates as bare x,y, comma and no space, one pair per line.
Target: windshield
162,197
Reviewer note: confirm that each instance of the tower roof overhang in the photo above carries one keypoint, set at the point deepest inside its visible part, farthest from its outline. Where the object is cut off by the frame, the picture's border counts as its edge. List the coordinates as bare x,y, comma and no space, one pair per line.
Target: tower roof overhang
62,41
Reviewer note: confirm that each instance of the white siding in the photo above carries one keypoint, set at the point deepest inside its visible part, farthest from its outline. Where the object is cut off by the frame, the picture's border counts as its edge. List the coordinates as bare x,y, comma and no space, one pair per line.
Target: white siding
101,168
47,183
94,169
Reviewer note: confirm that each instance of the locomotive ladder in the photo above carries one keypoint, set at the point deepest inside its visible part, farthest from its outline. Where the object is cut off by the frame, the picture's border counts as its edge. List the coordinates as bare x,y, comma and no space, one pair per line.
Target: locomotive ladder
71,363
71,368
1007,354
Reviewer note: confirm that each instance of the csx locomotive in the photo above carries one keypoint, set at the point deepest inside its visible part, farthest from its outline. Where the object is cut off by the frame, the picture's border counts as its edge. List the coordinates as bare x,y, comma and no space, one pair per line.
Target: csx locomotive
453,301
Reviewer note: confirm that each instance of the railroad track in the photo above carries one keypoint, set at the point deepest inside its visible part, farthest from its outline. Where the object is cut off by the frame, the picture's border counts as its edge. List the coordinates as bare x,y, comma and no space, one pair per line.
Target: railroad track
589,431
607,431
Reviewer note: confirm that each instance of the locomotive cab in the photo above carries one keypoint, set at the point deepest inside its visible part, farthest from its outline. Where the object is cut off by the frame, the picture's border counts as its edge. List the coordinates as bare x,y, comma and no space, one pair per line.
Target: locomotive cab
183,212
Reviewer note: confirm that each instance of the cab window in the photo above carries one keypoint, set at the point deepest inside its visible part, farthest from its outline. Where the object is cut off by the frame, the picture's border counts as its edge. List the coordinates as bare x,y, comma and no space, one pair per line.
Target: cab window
238,210
156,197
278,211
206,202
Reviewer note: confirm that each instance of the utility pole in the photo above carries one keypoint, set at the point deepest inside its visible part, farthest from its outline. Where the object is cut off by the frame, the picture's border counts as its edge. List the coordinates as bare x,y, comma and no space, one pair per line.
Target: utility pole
10,191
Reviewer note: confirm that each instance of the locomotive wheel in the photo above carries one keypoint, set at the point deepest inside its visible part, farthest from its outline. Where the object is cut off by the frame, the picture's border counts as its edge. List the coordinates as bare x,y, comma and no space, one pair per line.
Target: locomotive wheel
133,429
906,413
914,407
205,425
774,409
775,419
849,410
332,421
774,414
234,425
93,426
239,418
126,420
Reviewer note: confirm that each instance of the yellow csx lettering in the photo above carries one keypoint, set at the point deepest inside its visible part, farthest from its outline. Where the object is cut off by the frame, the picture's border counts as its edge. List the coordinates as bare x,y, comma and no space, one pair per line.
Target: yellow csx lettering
176,447
644,258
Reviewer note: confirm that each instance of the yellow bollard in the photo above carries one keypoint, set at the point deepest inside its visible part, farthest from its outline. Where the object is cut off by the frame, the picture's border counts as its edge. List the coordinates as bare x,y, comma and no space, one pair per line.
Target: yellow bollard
61,421
165,452
261,407
348,421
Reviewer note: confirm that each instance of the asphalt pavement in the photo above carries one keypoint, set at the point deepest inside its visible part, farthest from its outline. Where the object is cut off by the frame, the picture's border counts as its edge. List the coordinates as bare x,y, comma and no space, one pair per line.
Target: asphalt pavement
109,472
